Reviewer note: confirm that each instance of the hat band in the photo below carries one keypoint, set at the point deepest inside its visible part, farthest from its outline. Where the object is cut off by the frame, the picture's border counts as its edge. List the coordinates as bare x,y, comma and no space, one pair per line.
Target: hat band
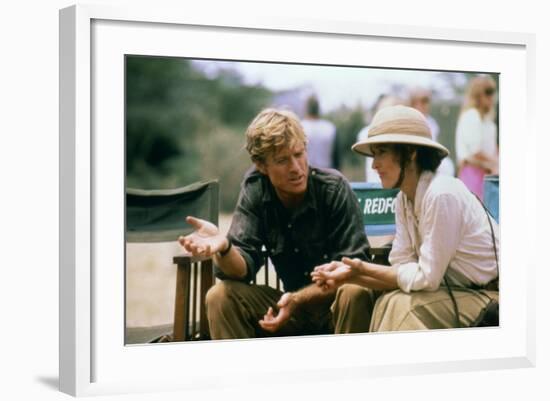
406,126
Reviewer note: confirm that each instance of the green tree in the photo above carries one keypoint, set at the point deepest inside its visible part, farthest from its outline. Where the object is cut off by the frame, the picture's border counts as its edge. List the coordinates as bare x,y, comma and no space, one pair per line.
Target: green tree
182,126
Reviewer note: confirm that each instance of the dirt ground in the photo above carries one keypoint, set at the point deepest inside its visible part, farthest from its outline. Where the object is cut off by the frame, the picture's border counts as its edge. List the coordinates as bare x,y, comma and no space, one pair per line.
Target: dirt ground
151,281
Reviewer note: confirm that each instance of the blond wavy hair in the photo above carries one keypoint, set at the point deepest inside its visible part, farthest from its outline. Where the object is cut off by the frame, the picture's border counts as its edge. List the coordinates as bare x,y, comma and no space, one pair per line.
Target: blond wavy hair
271,130
475,90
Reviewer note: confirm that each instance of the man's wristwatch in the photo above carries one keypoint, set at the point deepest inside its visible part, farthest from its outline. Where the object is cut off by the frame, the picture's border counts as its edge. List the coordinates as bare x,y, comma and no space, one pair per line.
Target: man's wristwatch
226,250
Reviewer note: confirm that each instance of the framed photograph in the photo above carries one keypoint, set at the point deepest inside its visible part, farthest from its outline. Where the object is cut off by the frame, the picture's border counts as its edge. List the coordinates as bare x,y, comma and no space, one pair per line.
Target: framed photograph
98,47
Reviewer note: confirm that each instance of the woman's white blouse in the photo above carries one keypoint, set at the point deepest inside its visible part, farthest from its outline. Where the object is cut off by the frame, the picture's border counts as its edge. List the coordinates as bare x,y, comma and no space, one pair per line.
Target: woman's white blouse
446,227
475,134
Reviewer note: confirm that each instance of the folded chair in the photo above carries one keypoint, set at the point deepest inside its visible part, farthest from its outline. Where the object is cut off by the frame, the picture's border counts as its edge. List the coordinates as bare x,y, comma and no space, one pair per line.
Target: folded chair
159,216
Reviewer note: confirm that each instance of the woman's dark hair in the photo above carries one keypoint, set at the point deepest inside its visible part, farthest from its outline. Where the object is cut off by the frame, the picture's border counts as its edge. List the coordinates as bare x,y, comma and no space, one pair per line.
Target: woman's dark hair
427,158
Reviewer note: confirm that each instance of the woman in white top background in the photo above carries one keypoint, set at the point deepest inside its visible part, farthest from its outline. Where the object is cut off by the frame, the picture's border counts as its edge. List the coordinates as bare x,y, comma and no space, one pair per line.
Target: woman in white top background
476,134
444,238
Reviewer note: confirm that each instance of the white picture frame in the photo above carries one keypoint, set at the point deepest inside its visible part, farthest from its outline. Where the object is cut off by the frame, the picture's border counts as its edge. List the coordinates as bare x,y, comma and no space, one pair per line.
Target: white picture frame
92,39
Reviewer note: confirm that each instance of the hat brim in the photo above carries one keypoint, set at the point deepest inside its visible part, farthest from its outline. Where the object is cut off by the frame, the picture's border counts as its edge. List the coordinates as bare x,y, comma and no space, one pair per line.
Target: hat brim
364,147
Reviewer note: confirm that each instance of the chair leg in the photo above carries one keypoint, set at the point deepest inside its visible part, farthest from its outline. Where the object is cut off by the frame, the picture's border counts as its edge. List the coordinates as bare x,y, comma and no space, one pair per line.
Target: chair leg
207,280
181,312
195,268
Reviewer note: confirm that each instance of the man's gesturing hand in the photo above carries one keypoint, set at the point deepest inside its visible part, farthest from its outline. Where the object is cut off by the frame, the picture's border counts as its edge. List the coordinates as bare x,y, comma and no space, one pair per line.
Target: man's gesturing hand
286,306
206,240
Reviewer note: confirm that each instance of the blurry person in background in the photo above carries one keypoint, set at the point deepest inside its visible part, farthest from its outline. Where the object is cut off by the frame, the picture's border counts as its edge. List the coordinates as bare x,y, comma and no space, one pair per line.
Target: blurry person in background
322,149
382,102
476,136
303,215
421,100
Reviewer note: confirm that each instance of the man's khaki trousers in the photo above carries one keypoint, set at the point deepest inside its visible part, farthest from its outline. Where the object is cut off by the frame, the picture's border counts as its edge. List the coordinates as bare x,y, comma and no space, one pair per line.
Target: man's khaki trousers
234,309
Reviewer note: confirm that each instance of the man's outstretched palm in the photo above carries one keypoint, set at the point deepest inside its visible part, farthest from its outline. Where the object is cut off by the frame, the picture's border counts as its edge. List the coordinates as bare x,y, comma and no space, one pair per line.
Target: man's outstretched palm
206,240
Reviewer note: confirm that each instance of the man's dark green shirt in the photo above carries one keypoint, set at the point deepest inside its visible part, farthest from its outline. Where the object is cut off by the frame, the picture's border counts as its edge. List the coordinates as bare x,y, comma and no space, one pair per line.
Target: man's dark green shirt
327,226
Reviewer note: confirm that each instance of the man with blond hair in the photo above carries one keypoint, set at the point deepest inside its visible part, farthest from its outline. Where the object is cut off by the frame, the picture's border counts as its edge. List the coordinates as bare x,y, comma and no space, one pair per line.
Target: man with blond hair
304,217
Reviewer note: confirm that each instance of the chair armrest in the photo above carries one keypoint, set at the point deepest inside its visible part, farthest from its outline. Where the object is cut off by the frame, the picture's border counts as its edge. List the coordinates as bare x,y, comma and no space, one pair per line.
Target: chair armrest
189,259
380,251
380,254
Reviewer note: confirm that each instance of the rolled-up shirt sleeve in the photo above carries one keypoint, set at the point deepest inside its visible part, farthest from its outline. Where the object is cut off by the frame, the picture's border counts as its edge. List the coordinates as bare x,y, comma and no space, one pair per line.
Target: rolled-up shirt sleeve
442,232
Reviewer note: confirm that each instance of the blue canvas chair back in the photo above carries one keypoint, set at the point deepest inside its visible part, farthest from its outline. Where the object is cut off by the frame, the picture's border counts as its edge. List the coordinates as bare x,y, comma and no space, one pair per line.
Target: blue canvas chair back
491,195
378,207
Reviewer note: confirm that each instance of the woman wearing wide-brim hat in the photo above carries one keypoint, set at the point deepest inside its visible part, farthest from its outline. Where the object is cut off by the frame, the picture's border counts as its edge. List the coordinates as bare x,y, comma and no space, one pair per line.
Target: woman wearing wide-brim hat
445,250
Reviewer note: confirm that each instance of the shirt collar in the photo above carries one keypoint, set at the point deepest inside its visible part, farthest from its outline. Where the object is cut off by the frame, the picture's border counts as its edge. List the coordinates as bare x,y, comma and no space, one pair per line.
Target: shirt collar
269,194
310,201
424,181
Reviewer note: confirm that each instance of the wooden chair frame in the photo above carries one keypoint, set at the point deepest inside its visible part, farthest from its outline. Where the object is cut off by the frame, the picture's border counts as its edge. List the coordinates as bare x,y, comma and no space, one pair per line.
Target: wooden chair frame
187,302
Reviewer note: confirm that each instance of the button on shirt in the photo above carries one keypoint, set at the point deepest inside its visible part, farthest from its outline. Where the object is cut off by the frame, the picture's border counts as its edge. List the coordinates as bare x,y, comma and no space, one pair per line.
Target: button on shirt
327,226
445,227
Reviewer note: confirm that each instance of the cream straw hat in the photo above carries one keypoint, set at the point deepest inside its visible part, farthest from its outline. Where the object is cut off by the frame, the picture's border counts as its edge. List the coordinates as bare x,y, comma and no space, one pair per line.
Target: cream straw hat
399,124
